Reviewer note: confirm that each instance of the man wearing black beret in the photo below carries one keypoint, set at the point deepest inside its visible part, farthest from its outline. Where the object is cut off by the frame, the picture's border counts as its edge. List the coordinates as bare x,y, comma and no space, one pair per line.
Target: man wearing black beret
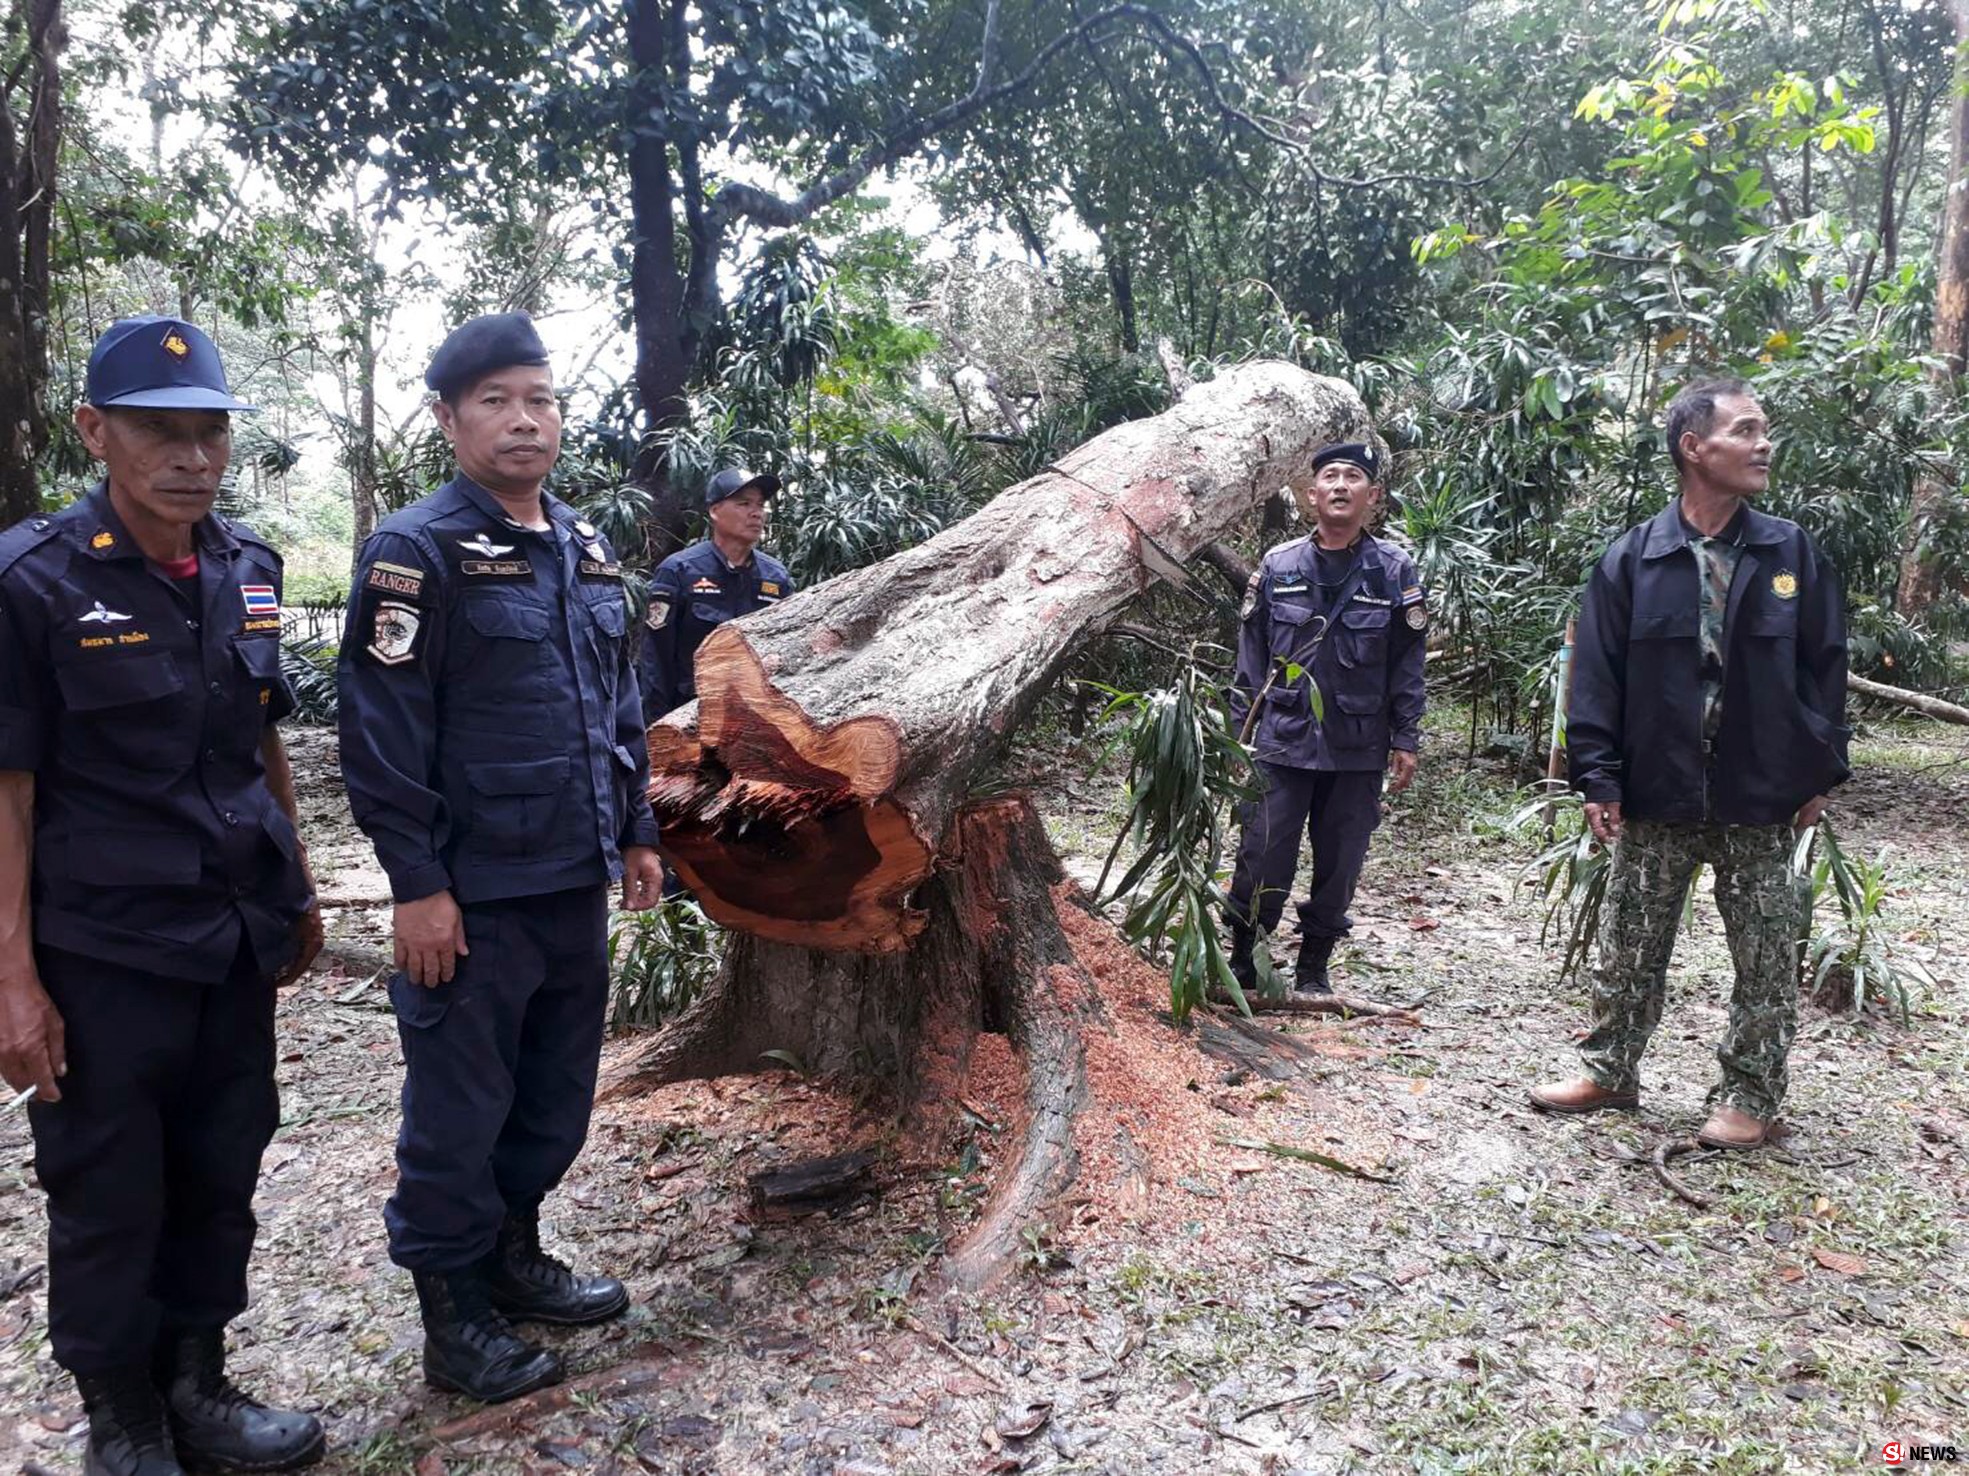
493,748
1330,653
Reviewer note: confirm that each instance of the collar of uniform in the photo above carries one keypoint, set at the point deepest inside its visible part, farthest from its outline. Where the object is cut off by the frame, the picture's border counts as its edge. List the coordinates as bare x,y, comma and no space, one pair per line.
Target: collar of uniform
486,503
1667,535
210,534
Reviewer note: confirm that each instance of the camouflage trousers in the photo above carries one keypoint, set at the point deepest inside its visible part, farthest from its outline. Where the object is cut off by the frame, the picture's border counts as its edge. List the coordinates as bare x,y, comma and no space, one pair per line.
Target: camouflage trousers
1762,905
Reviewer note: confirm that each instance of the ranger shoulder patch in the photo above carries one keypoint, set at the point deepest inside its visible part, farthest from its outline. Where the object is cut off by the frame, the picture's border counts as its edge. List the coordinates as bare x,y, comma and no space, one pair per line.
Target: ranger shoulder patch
393,632
1250,596
659,614
396,579
1418,617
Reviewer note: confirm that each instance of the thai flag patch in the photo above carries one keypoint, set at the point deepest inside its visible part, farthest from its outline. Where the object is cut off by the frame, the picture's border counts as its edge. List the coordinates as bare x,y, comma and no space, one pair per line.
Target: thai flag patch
260,599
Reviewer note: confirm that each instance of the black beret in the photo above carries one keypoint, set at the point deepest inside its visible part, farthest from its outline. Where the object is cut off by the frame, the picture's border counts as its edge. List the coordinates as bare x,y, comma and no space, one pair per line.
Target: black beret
1361,456
476,348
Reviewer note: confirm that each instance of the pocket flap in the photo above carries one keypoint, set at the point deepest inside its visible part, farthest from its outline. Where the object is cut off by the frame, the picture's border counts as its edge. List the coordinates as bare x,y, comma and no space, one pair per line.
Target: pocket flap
508,619
626,756
707,613
1772,622
1359,704
133,858
89,685
260,655
1676,624
1287,613
538,776
1288,696
610,614
1365,617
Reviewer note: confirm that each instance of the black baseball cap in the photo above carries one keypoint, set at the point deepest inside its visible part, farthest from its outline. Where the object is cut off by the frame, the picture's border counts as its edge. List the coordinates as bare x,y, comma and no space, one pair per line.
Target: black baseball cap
156,363
734,480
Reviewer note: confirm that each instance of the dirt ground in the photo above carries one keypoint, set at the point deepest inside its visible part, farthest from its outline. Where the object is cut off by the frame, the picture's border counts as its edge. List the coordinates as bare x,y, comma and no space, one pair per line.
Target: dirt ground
1507,1293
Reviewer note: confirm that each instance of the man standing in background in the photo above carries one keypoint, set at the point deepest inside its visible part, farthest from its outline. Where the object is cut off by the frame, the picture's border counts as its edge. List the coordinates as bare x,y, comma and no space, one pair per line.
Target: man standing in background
1343,610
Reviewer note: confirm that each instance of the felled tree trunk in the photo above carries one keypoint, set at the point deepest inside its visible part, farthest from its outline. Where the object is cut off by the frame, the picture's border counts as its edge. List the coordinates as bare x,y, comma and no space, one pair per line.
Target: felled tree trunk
817,797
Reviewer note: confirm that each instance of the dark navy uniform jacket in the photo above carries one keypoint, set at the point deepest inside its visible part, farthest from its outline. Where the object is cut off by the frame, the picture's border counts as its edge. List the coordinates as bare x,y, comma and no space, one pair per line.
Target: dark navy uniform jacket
492,736
1635,732
691,594
1369,666
140,710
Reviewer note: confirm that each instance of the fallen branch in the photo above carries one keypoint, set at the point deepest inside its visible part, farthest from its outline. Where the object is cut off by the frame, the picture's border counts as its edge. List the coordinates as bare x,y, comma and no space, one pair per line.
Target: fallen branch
1285,1403
1668,1149
1920,702
1321,1004
1306,1155
653,1365
945,1346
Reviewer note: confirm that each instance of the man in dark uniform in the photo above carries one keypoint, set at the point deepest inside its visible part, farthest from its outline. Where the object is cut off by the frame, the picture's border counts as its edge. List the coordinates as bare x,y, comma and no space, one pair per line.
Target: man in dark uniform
145,792
1344,611
694,592
492,743
1707,723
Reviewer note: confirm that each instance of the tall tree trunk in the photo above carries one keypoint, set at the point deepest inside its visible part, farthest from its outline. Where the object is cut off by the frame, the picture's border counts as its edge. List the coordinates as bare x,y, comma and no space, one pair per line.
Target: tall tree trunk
1121,282
818,797
1937,491
28,155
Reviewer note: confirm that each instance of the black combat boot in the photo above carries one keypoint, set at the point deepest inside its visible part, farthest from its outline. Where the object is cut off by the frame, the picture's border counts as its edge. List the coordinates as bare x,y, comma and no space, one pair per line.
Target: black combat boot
128,1432
217,1427
1309,973
470,1349
1243,936
528,1285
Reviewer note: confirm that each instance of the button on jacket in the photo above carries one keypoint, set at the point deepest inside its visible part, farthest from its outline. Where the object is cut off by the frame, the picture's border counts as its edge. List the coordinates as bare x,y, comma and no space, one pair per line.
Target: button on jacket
140,709
692,593
492,737
1369,666
1635,730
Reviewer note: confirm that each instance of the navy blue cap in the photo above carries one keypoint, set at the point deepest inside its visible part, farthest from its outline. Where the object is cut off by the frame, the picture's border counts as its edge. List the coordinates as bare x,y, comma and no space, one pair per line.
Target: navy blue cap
734,480
153,363
1360,455
474,349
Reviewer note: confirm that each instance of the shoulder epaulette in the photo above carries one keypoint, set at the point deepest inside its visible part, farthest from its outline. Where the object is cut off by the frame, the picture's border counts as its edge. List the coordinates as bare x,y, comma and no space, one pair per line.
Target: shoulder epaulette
24,537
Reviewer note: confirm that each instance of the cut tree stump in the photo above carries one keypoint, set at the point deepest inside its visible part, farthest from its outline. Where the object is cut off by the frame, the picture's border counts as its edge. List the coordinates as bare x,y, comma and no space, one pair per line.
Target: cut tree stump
817,797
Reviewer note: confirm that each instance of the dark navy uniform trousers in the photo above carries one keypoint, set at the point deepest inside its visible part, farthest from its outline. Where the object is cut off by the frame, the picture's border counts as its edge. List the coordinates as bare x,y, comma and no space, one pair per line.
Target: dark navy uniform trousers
1338,812
501,1073
150,1158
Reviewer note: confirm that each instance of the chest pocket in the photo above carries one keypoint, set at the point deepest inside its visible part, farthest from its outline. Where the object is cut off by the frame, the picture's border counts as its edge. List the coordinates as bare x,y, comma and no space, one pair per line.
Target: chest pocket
1294,623
1363,635
130,711
261,691
506,620
705,613
1674,625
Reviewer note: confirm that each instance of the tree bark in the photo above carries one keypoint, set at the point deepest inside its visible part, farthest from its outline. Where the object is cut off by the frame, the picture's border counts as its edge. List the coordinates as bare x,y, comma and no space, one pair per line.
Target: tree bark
1936,489
809,792
817,797
28,155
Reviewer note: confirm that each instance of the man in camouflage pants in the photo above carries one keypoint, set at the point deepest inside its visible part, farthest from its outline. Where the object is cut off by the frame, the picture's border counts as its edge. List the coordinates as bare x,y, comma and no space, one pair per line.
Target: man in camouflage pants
1706,726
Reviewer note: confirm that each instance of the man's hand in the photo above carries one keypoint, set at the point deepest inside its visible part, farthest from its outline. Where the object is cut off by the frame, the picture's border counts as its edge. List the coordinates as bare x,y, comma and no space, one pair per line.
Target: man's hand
33,1041
1808,816
1401,770
430,934
642,878
1604,821
308,938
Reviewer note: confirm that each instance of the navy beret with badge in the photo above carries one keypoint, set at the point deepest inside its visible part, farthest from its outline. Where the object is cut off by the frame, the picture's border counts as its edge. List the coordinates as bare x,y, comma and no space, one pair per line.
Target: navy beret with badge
474,349
734,480
156,363
1353,452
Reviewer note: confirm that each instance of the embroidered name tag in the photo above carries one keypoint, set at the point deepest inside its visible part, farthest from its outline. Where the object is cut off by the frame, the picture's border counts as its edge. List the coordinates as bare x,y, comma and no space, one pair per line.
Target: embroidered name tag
496,568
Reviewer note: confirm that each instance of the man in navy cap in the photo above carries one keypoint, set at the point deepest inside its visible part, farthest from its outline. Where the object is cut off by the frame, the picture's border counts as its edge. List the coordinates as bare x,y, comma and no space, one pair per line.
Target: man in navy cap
153,895
1344,612
493,748
694,592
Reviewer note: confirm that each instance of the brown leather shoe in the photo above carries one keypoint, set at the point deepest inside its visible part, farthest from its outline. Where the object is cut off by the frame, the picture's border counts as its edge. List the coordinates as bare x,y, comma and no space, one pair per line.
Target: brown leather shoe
1731,1127
1580,1094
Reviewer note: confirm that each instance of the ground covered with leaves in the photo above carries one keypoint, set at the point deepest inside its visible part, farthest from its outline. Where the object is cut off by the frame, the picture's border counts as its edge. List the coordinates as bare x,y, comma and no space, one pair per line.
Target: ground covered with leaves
1489,1290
